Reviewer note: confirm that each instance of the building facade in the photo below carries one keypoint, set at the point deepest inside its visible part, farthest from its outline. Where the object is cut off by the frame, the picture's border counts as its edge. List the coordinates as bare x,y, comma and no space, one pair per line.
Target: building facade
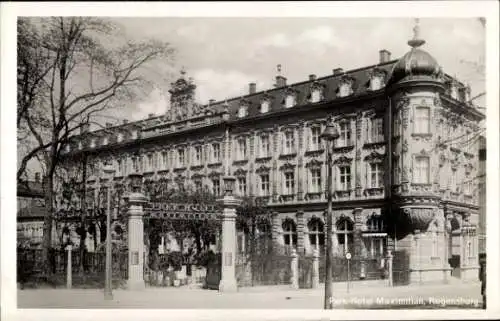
404,163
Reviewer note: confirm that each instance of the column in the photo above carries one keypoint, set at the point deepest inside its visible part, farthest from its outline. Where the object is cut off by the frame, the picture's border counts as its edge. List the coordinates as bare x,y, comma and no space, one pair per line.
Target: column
69,269
228,274
358,241
276,235
300,232
295,270
315,269
136,241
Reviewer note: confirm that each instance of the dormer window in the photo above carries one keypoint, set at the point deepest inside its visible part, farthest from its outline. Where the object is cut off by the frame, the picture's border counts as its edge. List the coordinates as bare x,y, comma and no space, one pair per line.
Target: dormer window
92,143
134,134
345,88
80,145
264,106
243,111
453,90
316,95
290,101
376,82
68,148
119,137
105,141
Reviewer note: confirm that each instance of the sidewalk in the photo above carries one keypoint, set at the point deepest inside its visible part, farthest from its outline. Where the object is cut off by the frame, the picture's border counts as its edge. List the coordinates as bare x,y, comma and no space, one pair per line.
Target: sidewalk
264,297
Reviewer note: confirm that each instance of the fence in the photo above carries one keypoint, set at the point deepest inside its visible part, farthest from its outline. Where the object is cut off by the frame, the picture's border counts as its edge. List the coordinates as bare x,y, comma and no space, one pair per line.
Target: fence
30,267
359,269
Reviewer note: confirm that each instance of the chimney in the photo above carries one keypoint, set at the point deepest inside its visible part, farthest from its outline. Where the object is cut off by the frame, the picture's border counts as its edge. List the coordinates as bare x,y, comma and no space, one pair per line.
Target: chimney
338,71
125,121
211,101
312,77
151,115
37,177
109,125
385,56
252,88
280,80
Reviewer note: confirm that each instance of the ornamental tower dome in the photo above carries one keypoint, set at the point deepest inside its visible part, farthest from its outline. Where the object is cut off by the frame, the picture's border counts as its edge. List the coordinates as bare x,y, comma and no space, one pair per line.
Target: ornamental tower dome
416,64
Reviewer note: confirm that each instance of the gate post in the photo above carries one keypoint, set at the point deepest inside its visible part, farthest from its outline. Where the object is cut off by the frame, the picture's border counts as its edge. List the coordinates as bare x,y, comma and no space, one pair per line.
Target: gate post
135,238
315,269
295,269
69,271
228,272
389,266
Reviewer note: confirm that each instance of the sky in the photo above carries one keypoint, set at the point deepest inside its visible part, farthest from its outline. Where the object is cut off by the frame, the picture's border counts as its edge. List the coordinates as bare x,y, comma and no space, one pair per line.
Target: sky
223,55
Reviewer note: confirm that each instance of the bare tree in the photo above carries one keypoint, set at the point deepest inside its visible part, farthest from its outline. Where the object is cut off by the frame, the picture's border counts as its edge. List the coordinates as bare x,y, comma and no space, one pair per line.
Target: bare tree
71,72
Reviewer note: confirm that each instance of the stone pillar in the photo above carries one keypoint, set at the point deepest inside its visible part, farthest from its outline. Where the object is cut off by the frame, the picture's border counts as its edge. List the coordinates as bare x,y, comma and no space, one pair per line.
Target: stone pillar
136,241
415,260
300,232
315,269
295,269
358,241
69,269
228,273
389,267
276,231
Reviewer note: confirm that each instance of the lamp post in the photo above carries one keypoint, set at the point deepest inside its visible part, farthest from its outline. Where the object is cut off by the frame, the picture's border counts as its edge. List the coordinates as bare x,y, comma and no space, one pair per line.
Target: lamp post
329,135
108,294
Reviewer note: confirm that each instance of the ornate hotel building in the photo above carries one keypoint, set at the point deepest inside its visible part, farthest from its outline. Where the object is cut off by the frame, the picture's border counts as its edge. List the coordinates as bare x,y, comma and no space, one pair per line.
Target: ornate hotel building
404,164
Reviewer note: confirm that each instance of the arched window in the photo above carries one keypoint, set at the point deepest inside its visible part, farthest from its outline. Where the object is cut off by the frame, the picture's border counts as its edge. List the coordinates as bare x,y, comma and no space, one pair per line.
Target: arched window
345,234
316,234
289,233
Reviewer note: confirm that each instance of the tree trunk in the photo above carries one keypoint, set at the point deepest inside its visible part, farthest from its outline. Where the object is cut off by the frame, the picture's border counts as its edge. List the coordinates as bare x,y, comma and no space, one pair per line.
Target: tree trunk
48,184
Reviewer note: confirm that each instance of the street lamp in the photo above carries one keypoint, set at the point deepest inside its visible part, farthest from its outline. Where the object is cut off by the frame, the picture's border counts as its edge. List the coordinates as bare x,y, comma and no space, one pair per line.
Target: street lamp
329,135
109,172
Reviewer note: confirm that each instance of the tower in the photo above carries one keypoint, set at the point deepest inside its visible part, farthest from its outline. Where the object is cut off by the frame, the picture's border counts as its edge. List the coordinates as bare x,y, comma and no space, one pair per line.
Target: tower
414,88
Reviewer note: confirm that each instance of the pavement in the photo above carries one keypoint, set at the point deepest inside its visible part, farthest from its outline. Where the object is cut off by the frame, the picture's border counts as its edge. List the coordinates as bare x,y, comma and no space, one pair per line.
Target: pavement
432,296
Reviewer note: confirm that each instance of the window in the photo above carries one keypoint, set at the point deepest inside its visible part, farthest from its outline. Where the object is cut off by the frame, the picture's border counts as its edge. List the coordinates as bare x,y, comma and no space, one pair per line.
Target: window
264,185
375,223
164,160
375,175
468,187
216,187
289,233
290,101
316,234
264,106
376,130
92,143
422,120
421,170
289,186
453,91
241,149
215,152
105,141
150,165
344,234
289,147
453,180
344,135
264,146
315,186
395,170
135,165
197,155
119,137
119,166
344,178
315,138
198,185
376,246
243,111
375,83
315,95
180,157
242,186
240,242
345,90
